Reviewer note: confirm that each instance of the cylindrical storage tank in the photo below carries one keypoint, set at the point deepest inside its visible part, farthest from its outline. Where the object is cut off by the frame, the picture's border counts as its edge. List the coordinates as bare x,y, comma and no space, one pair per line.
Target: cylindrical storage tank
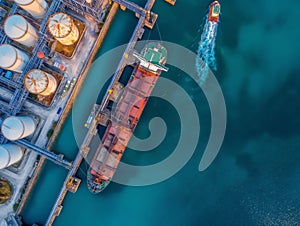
39,82
9,155
12,58
63,29
37,8
18,127
19,29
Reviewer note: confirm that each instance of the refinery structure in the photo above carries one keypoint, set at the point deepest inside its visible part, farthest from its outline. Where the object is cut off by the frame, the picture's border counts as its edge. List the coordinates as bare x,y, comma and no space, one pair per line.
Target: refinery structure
46,49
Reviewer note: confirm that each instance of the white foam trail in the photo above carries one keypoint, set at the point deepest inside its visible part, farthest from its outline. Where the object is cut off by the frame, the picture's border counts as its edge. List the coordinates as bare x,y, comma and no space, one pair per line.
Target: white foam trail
206,51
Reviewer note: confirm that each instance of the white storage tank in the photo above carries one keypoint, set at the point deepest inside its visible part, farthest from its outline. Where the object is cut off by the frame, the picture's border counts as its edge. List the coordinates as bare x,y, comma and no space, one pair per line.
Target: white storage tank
39,82
18,127
9,155
37,8
12,58
62,27
19,29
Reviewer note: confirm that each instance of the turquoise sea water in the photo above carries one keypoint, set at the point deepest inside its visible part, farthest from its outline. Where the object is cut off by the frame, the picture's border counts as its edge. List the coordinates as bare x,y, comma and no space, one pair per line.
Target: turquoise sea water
255,179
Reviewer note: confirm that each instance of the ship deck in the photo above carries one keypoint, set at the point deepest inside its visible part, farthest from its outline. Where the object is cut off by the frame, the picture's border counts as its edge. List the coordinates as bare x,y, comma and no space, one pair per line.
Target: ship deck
128,110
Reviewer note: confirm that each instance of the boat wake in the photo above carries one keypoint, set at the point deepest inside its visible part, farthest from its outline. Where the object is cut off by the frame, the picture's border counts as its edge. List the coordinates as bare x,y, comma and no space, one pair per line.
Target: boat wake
206,51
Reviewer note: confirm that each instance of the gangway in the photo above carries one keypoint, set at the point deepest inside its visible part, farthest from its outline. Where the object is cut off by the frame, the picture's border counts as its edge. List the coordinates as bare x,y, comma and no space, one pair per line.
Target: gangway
57,159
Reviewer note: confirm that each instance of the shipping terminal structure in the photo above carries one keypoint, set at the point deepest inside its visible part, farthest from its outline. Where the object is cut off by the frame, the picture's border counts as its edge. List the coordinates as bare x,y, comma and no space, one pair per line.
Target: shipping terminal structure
125,115
46,50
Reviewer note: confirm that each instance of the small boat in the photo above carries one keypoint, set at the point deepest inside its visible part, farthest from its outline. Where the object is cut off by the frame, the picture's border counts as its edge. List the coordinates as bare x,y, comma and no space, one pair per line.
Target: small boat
214,12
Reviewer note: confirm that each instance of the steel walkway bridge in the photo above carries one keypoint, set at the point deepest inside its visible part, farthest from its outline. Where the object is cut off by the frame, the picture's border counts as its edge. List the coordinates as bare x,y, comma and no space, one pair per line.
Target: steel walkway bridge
57,159
149,18
133,7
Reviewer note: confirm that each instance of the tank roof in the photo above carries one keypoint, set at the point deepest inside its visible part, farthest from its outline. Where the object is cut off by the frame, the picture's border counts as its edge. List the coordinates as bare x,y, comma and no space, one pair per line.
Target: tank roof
4,157
36,81
60,25
12,128
15,26
23,2
8,56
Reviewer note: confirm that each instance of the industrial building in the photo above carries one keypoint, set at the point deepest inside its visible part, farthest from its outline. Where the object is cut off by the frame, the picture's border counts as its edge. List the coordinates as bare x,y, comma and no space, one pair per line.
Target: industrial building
40,41
31,32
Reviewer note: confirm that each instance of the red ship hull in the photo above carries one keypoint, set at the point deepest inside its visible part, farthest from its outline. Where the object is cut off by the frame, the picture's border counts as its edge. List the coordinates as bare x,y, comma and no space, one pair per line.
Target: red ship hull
118,133
125,115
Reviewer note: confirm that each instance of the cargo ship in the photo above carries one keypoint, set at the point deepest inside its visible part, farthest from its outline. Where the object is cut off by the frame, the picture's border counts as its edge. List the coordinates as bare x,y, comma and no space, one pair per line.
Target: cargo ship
125,115
214,12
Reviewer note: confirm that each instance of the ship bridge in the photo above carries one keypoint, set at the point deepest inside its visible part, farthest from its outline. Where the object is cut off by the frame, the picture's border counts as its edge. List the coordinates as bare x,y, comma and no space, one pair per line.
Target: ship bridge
150,65
153,58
